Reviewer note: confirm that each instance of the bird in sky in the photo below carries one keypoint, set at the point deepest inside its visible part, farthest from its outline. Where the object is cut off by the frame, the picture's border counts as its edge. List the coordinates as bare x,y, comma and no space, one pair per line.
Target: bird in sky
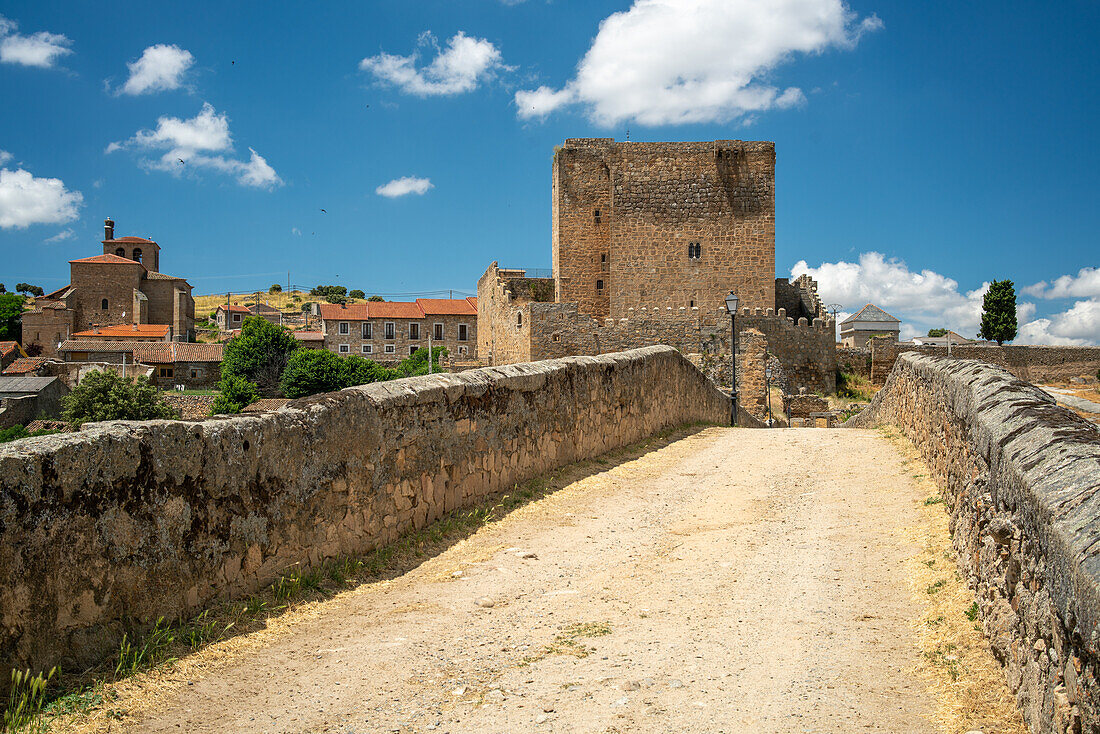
181,161
324,211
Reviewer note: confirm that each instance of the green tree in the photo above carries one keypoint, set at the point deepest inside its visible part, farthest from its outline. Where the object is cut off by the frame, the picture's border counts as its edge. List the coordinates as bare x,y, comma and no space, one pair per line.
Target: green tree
275,288
999,312
311,371
234,394
307,306
259,354
417,362
356,370
937,332
356,294
376,299
11,314
105,396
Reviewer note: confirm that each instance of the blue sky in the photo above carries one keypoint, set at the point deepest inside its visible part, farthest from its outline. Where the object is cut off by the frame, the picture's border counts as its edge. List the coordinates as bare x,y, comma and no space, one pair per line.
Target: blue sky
923,148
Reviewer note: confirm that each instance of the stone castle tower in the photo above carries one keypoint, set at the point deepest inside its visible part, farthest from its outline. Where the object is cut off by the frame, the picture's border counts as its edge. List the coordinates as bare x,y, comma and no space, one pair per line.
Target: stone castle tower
663,224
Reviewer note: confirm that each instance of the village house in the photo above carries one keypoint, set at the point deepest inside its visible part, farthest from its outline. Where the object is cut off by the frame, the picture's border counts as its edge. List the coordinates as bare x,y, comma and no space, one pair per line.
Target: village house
392,330
229,316
192,365
121,287
869,321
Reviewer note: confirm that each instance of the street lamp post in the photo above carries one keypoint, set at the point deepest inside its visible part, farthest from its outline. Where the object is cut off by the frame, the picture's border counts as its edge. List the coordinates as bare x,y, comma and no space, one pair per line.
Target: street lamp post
731,306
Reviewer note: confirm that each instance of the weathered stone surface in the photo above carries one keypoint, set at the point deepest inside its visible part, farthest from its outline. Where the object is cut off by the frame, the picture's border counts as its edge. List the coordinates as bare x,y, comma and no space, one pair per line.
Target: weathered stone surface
1022,484
124,522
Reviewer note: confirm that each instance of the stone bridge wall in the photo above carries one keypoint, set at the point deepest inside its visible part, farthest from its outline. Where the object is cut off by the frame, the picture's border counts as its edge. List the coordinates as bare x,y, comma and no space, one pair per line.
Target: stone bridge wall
124,522
1021,479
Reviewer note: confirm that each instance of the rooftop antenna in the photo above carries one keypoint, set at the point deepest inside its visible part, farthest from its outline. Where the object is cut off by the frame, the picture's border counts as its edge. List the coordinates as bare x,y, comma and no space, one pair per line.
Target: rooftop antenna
834,307
628,134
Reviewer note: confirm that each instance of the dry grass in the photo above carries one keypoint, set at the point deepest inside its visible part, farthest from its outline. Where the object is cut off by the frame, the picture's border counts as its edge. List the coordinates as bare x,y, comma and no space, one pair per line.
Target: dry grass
283,301
956,662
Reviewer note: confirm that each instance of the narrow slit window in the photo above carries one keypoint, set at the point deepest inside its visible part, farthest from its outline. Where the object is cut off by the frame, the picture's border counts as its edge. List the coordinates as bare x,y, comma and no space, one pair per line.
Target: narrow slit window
599,286
596,216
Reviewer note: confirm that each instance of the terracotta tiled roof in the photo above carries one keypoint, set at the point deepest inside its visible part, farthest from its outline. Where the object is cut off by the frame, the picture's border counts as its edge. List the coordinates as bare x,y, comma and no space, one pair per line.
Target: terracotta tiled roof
165,352
350,312
92,345
232,308
394,310
108,259
130,239
308,336
152,275
131,330
446,307
6,348
473,301
25,365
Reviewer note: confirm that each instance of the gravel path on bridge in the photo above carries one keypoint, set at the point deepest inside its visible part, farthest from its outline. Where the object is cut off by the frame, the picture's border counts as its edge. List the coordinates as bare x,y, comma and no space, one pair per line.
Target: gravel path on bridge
731,581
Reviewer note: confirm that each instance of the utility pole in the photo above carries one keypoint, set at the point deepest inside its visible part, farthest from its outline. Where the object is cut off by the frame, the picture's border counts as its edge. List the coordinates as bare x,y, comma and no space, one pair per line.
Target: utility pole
228,320
429,351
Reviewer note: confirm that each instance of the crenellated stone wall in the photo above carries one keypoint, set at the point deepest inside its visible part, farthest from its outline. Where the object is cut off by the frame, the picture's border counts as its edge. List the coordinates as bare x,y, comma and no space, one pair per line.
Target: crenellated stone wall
1021,480
124,522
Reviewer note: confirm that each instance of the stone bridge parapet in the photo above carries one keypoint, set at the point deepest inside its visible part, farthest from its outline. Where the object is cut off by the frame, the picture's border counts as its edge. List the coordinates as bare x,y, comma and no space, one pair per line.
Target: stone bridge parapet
124,522
1021,480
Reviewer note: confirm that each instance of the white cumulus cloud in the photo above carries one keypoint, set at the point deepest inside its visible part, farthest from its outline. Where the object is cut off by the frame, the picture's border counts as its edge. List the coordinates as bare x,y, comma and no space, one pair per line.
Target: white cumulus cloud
203,141
664,62
925,300
160,68
26,199
40,49
460,67
5,156
66,234
1086,284
404,186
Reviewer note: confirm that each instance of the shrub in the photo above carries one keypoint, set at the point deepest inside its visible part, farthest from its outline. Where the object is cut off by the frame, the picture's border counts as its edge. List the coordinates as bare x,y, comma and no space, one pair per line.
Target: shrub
259,354
376,299
235,394
312,371
417,362
17,432
11,315
104,396
356,294
275,288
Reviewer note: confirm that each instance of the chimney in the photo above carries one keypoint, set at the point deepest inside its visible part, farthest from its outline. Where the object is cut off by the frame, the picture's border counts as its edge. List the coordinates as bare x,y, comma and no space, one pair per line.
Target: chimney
95,328
108,229
135,327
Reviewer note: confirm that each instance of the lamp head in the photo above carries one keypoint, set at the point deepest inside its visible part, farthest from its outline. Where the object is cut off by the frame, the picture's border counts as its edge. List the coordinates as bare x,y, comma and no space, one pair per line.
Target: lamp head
731,302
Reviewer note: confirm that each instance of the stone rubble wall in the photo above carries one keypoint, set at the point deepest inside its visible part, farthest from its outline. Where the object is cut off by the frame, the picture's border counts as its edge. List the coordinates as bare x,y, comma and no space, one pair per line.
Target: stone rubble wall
123,522
1021,480
854,361
1039,364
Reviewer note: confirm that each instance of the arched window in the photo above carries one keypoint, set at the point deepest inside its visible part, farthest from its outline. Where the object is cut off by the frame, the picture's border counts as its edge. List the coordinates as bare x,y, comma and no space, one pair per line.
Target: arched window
120,252
137,254
519,319
103,305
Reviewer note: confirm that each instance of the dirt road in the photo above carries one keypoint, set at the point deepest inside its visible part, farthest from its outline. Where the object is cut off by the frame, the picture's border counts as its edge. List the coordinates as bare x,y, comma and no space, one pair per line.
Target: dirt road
732,581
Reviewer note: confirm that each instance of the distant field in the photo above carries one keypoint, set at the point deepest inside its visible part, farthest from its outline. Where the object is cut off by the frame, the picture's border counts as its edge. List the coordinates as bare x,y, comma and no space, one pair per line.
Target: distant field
204,305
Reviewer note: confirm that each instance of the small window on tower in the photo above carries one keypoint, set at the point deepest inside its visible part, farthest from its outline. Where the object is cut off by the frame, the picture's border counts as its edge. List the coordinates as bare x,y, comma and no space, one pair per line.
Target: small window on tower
103,304
596,216
599,286
120,252
137,254
603,257
695,250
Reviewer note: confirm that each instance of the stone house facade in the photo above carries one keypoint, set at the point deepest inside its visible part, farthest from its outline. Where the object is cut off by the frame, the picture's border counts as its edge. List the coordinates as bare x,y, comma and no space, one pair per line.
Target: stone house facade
389,331
112,289
678,224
